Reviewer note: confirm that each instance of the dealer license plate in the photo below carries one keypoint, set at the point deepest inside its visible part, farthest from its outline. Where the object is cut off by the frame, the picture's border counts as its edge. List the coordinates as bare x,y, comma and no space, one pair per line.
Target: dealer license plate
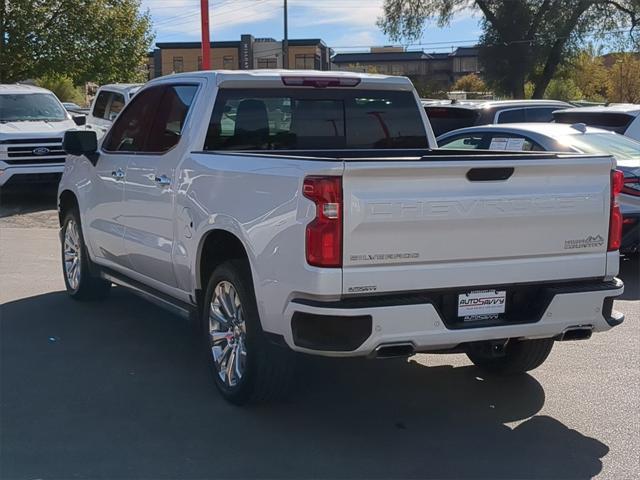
481,304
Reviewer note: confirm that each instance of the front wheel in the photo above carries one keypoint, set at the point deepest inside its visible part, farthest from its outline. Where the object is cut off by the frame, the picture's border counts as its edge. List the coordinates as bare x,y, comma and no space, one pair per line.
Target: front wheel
519,356
246,367
79,280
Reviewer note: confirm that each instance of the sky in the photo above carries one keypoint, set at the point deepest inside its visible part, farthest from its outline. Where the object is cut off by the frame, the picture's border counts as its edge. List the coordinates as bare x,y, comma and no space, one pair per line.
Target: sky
345,25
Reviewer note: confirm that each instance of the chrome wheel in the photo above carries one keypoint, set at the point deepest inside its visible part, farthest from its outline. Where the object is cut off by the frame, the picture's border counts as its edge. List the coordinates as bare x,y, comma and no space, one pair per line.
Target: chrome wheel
227,334
71,252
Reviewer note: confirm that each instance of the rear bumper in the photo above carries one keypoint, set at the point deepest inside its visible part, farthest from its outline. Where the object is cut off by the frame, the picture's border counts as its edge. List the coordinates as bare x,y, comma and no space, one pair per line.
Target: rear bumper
357,326
30,174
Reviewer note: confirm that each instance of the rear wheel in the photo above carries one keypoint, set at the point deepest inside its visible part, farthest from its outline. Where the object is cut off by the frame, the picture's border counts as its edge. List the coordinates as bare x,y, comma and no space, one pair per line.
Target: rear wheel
519,356
245,366
79,279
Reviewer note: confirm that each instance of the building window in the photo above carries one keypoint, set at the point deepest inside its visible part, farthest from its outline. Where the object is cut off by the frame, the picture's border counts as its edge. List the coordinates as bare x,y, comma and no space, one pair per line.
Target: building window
467,64
199,62
228,63
413,68
178,64
267,63
396,69
305,62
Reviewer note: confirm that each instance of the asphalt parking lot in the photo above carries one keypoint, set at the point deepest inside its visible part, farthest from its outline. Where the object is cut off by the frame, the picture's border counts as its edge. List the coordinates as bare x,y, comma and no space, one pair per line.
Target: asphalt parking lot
119,389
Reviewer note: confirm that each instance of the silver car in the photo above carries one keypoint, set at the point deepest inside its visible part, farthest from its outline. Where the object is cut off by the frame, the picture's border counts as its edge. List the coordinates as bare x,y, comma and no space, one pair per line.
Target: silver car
556,137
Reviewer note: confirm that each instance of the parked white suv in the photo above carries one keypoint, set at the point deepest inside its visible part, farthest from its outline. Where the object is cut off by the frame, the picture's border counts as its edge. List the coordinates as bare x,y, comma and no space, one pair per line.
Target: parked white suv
107,104
305,211
32,123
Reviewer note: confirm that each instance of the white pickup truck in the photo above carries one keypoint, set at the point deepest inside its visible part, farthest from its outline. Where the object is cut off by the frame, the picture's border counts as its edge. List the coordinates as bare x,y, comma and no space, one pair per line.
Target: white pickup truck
107,104
307,212
32,122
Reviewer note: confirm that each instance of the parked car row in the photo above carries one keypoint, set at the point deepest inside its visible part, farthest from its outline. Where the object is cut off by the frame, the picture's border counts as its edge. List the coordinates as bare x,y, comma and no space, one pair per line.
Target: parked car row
446,115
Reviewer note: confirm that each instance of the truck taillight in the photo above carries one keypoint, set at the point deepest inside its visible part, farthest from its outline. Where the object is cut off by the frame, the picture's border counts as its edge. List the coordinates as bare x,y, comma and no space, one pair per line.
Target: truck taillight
615,216
324,234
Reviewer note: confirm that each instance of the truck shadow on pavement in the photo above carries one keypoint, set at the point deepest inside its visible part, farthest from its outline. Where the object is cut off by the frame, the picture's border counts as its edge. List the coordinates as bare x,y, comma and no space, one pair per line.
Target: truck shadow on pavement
28,199
630,275
121,390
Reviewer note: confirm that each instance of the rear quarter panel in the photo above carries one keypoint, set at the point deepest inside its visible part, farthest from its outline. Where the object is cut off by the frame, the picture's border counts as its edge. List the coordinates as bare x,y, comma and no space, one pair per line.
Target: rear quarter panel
258,199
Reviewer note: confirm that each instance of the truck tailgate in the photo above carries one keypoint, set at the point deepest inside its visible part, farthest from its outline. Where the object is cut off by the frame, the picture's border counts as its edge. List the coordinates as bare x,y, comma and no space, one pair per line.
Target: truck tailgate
443,222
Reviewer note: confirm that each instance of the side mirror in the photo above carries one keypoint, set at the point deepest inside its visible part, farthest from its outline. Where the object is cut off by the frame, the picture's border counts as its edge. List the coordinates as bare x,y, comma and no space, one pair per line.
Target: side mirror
81,142
80,120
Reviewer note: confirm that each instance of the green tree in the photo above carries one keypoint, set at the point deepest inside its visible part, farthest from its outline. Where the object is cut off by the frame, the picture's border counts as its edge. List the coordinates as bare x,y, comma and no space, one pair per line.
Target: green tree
63,87
98,40
625,79
523,40
470,83
563,89
589,74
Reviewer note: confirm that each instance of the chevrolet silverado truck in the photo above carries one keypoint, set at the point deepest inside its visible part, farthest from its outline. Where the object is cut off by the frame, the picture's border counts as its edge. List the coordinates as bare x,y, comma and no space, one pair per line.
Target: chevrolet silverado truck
32,123
310,212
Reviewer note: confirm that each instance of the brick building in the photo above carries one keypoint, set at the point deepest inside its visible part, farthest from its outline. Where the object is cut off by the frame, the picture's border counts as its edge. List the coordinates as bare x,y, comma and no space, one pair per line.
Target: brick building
245,54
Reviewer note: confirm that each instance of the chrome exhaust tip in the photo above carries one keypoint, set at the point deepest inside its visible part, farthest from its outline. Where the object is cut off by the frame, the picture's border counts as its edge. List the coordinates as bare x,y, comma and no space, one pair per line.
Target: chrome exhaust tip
394,350
576,333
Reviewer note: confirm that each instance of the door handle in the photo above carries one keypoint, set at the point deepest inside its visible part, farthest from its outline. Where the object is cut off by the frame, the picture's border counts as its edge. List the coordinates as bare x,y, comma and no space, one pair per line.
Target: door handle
118,174
163,181
489,174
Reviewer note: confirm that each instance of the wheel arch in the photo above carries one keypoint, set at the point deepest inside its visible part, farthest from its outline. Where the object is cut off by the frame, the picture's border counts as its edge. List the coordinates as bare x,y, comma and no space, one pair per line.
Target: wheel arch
215,247
66,201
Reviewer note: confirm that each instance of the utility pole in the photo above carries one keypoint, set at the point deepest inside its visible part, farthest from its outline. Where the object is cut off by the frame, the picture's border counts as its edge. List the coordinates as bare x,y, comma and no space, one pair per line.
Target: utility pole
206,44
285,42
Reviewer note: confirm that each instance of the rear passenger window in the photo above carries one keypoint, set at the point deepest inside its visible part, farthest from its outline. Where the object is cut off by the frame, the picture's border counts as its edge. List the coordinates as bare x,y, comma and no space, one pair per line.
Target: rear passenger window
511,116
542,114
170,117
100,106
130,130
446,119
310,119
153,121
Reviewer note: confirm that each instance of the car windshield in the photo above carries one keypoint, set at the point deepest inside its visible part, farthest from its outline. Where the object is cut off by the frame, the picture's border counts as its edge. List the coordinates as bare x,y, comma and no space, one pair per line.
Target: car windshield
25,107
617,145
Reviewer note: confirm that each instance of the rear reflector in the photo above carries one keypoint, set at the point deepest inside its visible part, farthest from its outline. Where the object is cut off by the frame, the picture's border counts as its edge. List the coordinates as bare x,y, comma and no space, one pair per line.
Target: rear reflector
615,216
320,82
323,244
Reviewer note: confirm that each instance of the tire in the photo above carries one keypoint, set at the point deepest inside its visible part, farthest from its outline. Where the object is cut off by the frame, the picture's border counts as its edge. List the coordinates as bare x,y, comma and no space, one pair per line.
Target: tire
77,268
520,356
262,372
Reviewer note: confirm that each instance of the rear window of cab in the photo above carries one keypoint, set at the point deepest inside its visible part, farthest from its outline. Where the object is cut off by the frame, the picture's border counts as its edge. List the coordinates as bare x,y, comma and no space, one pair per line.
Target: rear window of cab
314,119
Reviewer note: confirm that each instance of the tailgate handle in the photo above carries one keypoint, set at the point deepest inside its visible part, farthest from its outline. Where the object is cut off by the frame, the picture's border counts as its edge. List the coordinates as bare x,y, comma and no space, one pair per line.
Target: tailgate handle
489,174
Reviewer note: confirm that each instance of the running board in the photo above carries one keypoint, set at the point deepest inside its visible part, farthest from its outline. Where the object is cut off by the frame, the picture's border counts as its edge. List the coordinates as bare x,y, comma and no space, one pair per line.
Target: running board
177,307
